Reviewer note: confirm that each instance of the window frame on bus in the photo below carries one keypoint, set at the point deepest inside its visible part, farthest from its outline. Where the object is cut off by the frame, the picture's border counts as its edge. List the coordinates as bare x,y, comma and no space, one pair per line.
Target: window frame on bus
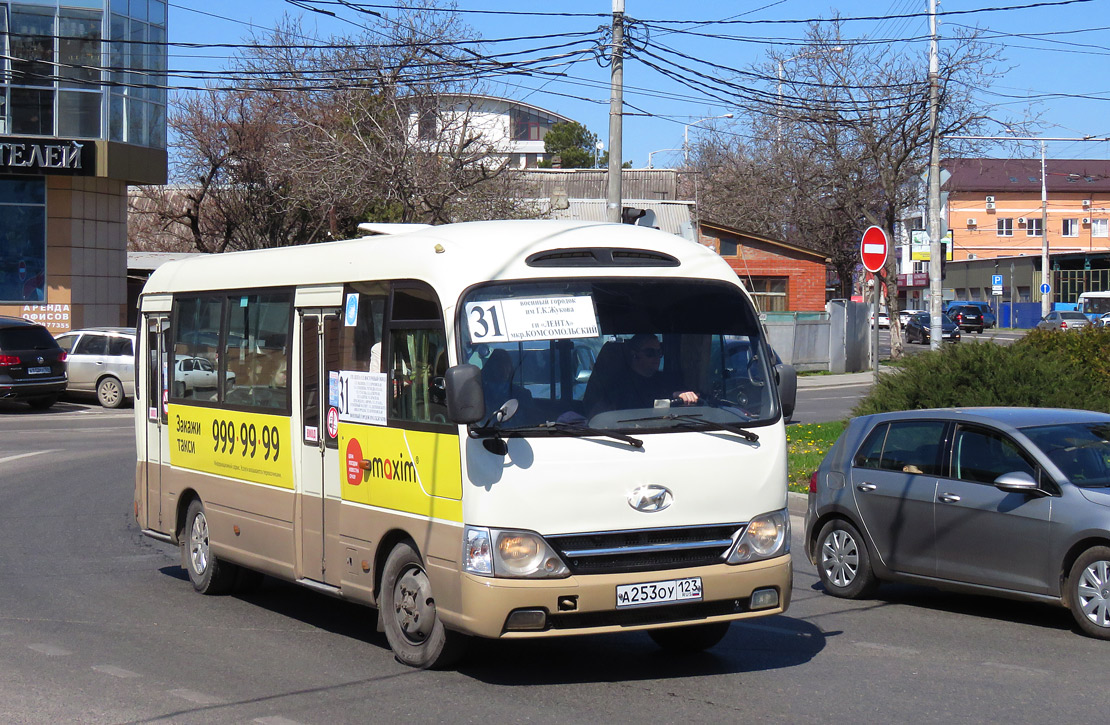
225,297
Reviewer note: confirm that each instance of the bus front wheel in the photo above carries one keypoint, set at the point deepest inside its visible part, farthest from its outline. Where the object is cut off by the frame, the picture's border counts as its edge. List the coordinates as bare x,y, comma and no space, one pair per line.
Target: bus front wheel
412,627
207,573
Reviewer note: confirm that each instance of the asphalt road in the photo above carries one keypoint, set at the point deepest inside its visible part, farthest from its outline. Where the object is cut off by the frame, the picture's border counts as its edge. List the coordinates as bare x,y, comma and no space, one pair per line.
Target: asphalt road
99,625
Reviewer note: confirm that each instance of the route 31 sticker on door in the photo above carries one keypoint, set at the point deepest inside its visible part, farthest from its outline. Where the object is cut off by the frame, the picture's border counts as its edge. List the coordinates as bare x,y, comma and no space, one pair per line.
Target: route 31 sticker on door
532,318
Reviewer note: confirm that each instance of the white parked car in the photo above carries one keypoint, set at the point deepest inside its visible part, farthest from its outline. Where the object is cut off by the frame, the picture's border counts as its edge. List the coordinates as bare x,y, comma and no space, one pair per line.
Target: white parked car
905,315
101,360
196,373
1103,320
884,319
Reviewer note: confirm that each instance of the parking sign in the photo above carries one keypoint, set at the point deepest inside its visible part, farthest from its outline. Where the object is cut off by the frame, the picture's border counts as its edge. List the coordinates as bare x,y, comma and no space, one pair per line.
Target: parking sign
996,280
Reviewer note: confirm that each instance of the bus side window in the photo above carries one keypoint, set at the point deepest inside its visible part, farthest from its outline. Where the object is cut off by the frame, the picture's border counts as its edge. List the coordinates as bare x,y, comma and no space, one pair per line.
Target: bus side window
362,342
419,360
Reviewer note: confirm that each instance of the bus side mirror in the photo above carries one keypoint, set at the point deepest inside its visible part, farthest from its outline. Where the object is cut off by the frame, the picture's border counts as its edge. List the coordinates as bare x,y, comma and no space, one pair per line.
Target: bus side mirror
788,388
465,400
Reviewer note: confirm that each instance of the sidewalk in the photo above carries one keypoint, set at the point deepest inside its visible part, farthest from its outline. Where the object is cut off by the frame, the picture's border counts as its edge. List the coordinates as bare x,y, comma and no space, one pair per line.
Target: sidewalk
817,382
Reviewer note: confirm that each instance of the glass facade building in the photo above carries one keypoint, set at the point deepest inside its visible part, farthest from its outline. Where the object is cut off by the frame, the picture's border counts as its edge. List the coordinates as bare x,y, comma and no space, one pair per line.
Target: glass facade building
82,115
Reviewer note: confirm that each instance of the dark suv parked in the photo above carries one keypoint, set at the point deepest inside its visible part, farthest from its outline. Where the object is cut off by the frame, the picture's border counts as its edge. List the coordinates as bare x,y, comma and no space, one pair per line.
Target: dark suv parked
32,366
968,317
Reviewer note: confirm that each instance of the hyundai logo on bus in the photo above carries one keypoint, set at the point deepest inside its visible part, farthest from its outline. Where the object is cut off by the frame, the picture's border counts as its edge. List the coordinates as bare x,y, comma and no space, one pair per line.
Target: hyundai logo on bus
650,498
873,249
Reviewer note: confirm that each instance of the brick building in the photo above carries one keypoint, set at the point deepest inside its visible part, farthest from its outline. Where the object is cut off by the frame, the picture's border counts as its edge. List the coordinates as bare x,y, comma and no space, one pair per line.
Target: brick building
780,276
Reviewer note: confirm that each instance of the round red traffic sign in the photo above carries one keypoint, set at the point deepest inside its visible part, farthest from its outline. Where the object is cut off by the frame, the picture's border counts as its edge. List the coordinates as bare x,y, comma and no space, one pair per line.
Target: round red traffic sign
873,249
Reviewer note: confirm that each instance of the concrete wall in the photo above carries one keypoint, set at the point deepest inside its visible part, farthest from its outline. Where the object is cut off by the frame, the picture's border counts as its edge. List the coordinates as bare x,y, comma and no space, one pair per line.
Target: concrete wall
836,340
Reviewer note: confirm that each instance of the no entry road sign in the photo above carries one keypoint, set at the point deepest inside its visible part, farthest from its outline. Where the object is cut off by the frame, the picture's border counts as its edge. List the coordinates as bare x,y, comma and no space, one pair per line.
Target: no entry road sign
873,249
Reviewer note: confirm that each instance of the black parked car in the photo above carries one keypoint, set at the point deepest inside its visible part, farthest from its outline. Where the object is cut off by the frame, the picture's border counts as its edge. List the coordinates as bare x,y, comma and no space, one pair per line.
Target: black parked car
918,329
968,317
32,366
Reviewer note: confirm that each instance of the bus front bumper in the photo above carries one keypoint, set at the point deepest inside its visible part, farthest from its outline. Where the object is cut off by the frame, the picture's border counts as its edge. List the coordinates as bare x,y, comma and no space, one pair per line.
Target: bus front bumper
527,608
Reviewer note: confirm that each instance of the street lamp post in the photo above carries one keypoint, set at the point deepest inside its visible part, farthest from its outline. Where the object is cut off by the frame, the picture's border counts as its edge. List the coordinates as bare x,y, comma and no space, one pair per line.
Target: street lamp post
686,135
657,151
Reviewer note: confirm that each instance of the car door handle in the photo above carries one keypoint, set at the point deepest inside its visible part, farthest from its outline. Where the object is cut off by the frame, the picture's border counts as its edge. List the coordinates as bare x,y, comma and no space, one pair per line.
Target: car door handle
865,487
948,498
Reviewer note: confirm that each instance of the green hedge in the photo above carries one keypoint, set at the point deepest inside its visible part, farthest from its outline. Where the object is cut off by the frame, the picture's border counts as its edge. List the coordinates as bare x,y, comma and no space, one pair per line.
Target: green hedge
1043,369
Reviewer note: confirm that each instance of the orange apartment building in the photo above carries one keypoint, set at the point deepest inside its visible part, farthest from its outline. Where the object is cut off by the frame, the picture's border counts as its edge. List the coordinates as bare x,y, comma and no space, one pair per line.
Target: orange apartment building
994,207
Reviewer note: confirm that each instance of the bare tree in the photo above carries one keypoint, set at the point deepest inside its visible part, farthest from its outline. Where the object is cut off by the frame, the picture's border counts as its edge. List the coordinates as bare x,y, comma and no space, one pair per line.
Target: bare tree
313,138
843,145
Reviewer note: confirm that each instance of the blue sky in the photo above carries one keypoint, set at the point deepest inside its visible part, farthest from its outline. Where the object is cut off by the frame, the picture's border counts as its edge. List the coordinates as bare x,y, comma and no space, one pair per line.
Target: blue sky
1059,54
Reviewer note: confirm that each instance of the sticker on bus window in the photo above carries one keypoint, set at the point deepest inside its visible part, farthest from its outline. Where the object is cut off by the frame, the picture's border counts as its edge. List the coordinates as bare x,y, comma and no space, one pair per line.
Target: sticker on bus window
532,318
350,313
333,388
362,397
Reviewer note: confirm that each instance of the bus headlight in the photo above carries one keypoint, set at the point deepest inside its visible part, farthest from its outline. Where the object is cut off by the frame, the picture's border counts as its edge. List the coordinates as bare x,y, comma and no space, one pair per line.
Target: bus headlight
509,553
765,537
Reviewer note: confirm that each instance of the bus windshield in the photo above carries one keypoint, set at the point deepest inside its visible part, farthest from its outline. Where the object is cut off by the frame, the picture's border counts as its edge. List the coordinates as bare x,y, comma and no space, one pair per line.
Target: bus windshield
619,354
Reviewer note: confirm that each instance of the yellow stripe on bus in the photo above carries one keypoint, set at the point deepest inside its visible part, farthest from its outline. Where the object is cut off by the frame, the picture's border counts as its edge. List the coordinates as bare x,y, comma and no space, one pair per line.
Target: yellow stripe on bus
253,447
402,470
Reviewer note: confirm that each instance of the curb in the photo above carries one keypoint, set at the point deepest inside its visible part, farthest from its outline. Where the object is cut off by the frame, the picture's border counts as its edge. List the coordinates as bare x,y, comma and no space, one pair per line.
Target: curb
797,503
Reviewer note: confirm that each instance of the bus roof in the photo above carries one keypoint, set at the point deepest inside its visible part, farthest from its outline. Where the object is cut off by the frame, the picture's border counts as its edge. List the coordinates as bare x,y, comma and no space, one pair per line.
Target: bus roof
450,258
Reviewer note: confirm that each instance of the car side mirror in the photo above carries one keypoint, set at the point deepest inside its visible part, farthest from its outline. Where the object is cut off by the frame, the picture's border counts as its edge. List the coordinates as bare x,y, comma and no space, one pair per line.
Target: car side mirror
1017,482
787,379
465,399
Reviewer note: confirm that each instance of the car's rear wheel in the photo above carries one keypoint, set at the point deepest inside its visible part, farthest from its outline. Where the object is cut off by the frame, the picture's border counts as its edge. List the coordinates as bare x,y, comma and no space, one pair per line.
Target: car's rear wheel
1089,591
109,392
687,640
843,562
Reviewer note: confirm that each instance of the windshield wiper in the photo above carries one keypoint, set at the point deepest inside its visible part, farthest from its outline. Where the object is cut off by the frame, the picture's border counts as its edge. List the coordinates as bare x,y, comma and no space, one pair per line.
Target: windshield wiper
578,429
699,419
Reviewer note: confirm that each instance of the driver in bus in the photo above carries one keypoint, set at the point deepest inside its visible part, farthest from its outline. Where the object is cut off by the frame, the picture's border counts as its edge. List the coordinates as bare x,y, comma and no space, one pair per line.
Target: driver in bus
646,383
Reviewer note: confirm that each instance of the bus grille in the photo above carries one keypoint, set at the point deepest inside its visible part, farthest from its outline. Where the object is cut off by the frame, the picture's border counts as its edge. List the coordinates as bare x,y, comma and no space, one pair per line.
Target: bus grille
615,552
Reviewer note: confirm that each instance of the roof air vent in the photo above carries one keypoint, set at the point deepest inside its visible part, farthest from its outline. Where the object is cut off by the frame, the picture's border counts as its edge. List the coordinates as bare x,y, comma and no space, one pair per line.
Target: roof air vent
601,257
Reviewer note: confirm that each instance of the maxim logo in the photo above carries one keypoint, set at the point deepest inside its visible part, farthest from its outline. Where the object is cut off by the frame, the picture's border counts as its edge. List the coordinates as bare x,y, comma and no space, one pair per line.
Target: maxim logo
397,469
650,498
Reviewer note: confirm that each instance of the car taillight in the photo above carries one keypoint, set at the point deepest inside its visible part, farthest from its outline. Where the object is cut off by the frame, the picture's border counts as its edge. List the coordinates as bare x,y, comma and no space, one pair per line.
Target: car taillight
1063,324
813,483
63,356
7,360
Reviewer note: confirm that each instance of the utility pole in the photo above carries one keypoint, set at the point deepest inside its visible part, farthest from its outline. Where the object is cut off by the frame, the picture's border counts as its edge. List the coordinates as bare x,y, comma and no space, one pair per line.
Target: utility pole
1046,299
936,247
616,109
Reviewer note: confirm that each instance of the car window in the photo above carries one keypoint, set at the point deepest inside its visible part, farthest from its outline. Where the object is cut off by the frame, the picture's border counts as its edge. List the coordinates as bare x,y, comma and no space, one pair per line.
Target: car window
31,337
120,346
91,345
872,449
982,456
66,342
1080,450
1073,315
910,446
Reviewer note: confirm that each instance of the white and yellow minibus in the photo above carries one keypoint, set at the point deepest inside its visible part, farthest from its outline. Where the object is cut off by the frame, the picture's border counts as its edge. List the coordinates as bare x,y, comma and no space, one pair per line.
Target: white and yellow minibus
506,429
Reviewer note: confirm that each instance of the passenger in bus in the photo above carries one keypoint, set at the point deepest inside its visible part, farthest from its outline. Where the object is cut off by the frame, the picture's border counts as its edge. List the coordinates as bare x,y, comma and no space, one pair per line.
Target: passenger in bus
497,382
641,385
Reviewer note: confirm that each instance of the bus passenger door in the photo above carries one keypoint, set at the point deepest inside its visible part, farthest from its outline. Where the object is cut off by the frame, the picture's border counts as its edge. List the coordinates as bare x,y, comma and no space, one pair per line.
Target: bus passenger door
156,331
320,494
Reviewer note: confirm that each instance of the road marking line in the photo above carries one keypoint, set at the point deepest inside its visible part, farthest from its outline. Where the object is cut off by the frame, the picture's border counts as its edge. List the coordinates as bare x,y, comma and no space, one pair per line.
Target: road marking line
115,671
49,650
193,696
276,720
16,457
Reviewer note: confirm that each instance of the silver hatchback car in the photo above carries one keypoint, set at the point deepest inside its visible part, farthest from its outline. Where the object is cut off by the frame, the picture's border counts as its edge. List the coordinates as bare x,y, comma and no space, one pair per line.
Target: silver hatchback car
1007,501
101,360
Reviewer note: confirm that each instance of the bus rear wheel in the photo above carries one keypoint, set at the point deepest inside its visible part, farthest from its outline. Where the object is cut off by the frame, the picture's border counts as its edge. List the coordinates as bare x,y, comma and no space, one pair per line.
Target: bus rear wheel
414,631
207,573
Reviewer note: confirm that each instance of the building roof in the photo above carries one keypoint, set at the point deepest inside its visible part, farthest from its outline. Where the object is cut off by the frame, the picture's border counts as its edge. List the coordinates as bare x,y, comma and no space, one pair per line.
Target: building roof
715,226
1024,175
653,184
502,99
